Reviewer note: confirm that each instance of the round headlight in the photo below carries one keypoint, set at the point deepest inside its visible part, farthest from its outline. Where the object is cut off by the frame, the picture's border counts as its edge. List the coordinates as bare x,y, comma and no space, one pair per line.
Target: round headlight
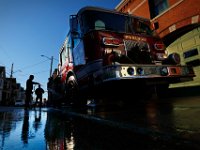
174,58
130,71
140,71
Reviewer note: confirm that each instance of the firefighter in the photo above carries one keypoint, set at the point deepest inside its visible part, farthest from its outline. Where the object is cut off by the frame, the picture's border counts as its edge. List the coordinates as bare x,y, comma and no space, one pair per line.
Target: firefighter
29,88
39,92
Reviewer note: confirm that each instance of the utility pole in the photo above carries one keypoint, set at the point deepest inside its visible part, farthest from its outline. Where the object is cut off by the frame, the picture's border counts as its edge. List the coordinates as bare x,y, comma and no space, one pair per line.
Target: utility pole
11,73
51,66
11,86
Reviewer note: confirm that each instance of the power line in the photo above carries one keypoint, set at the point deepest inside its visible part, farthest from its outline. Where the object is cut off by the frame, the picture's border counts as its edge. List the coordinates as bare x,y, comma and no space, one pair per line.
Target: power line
33,65
41,71
26,67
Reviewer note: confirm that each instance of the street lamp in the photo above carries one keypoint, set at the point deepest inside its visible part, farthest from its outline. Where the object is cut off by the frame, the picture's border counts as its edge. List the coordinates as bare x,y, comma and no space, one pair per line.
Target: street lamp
51,64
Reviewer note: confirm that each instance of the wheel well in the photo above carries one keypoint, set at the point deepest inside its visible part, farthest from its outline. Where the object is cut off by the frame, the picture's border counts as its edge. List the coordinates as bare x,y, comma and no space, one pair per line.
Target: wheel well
70,74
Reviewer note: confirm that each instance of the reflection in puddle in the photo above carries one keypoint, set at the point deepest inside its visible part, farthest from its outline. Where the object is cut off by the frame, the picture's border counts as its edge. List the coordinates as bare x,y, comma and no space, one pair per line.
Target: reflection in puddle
35,129
21,129
59,132
160,116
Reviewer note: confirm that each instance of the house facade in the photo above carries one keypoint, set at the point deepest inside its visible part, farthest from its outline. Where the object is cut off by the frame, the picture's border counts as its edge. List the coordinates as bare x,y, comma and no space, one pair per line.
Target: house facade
10,90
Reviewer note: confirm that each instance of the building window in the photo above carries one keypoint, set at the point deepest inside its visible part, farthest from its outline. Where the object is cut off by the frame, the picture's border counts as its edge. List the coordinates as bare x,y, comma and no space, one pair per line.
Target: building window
194,63
157,7
190,53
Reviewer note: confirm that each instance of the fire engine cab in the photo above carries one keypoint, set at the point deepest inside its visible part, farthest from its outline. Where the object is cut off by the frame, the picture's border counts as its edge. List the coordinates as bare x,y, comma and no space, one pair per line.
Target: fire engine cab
106,47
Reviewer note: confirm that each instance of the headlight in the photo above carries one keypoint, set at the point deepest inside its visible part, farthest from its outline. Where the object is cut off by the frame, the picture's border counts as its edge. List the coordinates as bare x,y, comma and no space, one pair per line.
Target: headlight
130,71
140,71
174,58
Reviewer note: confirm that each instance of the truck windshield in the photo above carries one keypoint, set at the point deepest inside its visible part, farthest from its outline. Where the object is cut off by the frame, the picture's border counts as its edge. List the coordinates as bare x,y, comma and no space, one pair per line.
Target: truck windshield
97,20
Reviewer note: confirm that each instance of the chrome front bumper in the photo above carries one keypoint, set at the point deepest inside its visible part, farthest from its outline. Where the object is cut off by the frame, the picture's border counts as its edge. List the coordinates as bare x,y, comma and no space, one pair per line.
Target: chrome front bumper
138,71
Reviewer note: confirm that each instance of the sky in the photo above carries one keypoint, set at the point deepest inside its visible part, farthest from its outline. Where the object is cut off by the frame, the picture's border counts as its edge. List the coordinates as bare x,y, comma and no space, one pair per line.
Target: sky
31,28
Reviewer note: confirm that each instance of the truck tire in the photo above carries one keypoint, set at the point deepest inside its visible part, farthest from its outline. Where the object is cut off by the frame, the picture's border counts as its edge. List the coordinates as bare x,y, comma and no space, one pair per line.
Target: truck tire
73,94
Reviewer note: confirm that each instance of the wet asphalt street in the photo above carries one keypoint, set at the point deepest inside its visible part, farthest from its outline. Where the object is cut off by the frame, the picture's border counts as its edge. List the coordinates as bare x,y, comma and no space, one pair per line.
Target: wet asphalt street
171,123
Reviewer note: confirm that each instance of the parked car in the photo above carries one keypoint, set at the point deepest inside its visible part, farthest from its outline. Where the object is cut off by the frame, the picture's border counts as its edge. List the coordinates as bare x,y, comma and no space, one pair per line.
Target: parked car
19,102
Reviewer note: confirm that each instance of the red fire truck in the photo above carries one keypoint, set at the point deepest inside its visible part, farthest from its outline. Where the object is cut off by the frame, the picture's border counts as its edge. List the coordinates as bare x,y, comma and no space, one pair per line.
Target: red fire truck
106,48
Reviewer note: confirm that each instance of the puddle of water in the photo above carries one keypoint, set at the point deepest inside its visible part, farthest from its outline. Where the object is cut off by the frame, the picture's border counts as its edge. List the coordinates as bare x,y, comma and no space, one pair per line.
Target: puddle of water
21,129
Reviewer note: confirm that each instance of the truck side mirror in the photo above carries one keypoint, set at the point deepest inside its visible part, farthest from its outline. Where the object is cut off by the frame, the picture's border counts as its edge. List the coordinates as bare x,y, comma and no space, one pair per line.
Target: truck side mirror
73,24
74,27
156,25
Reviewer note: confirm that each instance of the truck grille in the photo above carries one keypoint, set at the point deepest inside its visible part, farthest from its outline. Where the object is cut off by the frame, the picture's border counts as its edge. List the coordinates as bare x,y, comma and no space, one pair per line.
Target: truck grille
141,45
138,51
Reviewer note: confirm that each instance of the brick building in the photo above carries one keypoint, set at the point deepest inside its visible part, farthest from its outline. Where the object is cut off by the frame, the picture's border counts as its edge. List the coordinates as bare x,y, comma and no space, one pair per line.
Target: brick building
178,24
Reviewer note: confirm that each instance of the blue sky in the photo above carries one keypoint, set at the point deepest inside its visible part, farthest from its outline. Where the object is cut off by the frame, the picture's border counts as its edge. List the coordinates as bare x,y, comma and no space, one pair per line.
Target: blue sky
31,28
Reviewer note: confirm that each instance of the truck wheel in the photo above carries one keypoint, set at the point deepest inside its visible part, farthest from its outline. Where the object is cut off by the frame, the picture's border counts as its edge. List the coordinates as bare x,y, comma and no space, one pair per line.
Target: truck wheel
72,92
